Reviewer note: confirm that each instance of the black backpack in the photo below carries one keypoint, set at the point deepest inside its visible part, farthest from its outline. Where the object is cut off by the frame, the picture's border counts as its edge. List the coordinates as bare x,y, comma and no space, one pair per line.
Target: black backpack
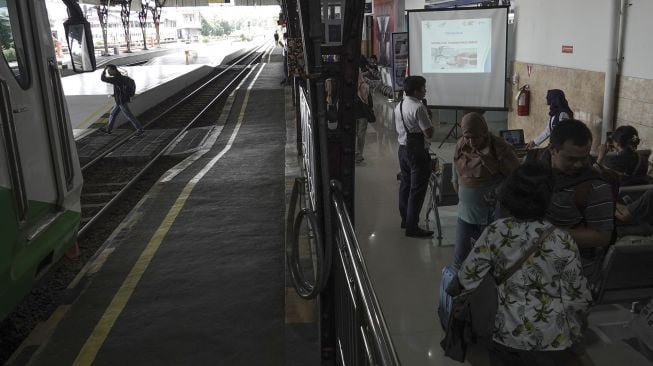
130,87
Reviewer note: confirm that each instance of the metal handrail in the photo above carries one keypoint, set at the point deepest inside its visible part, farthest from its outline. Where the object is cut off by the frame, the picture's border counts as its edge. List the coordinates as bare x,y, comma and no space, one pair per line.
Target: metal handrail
372,309
303,287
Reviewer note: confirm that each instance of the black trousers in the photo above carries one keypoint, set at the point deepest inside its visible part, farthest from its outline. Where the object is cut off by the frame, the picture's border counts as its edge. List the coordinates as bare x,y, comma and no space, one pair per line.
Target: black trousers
415,173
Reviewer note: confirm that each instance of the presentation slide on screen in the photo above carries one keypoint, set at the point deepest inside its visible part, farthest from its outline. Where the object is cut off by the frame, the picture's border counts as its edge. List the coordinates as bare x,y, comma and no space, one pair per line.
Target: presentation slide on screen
462,54
457,45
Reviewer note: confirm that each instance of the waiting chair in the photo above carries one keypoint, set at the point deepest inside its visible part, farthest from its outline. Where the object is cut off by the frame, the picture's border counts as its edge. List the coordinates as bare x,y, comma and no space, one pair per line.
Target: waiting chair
626,273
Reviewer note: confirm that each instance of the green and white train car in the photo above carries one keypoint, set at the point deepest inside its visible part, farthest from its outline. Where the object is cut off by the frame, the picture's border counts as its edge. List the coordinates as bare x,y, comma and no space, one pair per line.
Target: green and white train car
40,177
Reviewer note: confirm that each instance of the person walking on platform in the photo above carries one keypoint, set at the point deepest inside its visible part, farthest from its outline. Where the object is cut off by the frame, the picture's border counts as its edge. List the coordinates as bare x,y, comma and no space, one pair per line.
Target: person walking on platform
276,38
123,90
414,130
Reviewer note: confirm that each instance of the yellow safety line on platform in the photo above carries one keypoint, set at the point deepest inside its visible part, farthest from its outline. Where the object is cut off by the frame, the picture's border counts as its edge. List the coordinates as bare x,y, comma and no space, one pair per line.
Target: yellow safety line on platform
97,111
95,341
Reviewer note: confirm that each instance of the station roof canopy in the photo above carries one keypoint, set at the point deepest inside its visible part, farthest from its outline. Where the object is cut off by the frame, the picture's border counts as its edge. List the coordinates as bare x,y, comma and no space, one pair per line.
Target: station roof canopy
136,4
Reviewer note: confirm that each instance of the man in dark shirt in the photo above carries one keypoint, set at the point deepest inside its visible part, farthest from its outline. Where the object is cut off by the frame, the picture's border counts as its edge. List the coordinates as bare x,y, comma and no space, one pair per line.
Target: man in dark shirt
582,201
119,82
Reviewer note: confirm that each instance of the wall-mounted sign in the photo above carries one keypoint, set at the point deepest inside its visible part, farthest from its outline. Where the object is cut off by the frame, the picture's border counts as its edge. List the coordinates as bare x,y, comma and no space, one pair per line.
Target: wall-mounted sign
399,41
368,8
567,49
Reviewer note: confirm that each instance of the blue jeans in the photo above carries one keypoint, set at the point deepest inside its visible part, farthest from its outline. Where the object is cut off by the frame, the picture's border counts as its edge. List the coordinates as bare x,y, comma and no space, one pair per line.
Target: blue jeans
415,173
128,113
466,236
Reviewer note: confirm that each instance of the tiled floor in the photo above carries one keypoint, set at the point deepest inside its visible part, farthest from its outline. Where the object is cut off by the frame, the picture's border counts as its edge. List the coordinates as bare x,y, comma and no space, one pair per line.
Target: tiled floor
406,271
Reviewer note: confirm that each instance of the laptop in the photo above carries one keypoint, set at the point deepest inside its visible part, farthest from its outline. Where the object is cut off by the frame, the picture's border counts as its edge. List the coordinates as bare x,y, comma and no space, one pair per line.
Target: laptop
514,138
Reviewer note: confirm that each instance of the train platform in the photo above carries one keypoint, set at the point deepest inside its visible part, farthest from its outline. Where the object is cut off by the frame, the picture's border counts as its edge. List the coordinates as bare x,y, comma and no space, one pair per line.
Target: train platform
163,73
195,274
406,272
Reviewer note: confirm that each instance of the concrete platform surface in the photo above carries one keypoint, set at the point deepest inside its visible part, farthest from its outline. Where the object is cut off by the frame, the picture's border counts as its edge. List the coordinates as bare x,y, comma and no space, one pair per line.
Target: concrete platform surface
195,275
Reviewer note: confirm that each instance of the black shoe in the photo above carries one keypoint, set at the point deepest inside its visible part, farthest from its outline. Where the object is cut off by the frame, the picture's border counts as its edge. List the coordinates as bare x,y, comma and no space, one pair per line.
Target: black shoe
104,130
419,233
139,133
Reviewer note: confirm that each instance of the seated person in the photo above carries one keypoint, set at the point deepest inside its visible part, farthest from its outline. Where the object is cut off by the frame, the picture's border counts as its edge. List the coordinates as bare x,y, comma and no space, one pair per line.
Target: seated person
625,161
543,304
639,211
582,202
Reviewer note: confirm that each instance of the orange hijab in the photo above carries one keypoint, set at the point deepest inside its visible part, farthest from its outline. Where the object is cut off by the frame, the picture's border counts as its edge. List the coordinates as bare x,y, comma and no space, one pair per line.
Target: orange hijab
476,169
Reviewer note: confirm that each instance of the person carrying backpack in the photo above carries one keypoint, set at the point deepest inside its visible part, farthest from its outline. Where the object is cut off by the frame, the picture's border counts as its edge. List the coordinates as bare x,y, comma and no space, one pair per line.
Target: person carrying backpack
124,89
583,201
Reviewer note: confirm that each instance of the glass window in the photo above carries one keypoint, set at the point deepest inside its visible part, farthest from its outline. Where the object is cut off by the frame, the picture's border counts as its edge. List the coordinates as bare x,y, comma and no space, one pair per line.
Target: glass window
11,41
334,12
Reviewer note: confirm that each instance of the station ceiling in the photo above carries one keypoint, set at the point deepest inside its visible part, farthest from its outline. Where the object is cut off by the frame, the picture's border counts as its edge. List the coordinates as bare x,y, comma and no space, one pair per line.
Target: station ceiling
136,4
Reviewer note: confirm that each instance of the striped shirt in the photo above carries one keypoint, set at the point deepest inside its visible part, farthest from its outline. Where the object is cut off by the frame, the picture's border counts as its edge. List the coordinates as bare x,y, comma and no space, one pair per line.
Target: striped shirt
597,215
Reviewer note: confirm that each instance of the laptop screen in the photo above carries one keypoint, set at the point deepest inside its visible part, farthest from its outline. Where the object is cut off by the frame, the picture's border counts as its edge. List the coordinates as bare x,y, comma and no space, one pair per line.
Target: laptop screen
513,137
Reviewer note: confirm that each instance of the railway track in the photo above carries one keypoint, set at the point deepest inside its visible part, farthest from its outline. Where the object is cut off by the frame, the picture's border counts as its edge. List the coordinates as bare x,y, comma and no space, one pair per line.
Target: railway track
107,177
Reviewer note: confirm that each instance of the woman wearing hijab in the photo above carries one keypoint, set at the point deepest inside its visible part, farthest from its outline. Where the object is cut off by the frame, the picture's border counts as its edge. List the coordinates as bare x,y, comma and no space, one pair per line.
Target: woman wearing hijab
558,111
481,162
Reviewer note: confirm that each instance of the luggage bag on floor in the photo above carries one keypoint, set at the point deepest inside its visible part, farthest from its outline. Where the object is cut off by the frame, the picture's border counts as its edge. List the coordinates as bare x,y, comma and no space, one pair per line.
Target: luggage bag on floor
445,303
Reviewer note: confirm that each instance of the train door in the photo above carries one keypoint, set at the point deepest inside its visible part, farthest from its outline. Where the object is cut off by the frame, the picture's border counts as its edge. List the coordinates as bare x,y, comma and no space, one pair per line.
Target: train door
37,136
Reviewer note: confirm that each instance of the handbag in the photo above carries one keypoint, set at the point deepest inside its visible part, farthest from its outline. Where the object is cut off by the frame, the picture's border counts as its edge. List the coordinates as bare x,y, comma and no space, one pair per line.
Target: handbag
371,117
484,311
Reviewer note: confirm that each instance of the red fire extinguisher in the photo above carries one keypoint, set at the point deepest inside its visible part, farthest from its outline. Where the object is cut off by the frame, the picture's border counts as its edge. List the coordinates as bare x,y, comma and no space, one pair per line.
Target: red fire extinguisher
524,101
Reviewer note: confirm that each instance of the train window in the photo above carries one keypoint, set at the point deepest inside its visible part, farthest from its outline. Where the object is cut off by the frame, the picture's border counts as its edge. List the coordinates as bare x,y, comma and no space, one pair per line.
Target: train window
11,41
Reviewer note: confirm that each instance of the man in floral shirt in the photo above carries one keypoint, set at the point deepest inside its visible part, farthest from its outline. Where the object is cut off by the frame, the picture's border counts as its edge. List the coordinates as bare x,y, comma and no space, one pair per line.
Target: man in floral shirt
542,306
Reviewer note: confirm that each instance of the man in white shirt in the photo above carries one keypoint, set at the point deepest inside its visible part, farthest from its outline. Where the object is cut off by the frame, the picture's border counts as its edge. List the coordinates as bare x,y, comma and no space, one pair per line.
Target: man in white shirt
414,131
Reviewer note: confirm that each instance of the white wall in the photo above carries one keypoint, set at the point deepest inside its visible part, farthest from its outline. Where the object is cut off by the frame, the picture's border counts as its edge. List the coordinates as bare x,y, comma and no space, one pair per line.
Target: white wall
638,53
544,26
415,4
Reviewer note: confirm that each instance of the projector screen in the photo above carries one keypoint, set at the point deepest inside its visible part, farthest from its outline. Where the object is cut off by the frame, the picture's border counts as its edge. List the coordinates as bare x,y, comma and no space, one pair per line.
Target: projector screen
462,54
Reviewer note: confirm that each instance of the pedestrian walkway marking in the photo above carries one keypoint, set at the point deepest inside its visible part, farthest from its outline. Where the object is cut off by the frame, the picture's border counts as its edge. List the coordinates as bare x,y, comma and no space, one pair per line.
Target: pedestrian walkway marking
222,120
95,341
